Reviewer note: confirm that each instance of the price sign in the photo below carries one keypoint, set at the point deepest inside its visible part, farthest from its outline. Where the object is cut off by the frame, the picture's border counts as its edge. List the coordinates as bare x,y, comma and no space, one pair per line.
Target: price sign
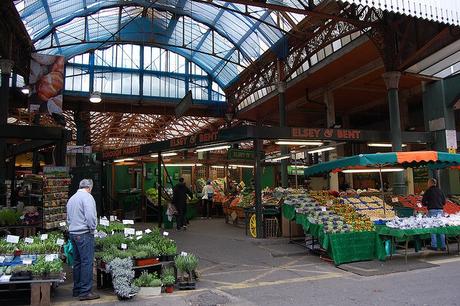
129,231
104,222
323,208
138,233
394,200
165,234
148,231
2,259
27,261
12,239
44,237
128,222
183,254
124,246
419,205
113,218
60,241
138,237
62,224
28,240
49,257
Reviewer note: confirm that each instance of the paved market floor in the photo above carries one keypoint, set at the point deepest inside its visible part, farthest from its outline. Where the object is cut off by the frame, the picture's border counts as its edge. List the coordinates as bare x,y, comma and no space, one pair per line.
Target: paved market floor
235,270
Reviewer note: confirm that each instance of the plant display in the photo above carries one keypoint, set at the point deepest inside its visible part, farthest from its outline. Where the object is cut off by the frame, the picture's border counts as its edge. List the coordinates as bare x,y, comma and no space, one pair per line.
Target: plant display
6,248
167,277
43,267
187,264
148,280
122,277
114,226
9,217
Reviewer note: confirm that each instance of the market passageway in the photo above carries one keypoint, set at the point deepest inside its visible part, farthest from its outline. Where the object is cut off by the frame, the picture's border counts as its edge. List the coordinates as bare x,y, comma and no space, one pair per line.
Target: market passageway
236,270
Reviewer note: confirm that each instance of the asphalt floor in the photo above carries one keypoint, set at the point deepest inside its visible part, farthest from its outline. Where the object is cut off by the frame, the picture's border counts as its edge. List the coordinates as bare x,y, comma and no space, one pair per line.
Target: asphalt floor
238,270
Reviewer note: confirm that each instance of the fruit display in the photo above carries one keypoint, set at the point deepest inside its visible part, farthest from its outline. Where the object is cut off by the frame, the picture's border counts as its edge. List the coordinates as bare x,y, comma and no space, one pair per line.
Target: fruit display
416,222
370,206
247,200
325,198
358,222
415,202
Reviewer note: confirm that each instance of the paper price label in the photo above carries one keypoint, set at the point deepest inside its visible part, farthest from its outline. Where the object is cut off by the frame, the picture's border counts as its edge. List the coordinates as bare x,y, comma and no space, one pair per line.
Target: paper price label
27,261
323,208
138,237
113,218
60,241
104,222
2,259
165,234
28,240
49,257
128,222
394,200
12,239
62,224
183,254
419,205
44,237
124,246
129,231
148,231
138,233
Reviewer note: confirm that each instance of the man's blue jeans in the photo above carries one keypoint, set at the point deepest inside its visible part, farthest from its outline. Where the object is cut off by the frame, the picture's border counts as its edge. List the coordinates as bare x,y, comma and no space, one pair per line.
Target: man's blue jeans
83,257
442,237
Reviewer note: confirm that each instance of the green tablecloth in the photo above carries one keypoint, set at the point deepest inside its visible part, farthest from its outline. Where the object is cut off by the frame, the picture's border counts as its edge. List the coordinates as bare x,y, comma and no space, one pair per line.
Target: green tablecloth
342,247
408,233
288,212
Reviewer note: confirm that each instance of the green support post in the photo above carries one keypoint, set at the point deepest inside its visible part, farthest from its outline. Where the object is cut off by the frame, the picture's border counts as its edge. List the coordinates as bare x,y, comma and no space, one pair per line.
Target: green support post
258,189
284,149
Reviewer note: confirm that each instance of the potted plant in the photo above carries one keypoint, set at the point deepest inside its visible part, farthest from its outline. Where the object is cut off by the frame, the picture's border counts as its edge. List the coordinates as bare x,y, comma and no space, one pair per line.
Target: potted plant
168,250
146,255
168,280
150,284
186,264
122,276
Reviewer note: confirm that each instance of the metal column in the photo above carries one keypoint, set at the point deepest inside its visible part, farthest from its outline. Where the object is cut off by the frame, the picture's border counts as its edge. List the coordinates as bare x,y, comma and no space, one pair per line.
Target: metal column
258,188
160,207
392,83
282,114
6,66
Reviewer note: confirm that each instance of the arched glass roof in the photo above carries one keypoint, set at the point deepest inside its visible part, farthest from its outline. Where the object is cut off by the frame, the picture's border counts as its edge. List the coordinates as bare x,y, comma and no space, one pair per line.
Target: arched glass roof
220,37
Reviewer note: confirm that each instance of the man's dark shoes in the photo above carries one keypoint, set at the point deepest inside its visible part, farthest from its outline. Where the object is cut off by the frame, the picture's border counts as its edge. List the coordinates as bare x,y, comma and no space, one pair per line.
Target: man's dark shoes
75,295
89,296
431,248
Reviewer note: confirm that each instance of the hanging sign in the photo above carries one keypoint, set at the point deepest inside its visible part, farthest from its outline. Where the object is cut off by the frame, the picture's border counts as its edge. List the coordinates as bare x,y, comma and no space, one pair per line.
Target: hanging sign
337,134
121,152
236,154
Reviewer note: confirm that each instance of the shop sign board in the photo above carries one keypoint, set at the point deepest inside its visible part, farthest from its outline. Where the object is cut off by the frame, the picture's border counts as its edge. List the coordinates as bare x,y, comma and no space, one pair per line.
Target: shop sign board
319,133
451,140
56,171
79,149
292,170
132,170
121,152
237,154
193,140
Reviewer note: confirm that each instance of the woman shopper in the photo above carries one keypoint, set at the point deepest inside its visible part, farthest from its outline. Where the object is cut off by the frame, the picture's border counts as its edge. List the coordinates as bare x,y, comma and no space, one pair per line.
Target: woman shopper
208,194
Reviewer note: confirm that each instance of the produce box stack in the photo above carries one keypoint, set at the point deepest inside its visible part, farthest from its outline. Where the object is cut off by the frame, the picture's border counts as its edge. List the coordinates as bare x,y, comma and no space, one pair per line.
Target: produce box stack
370,206
55,196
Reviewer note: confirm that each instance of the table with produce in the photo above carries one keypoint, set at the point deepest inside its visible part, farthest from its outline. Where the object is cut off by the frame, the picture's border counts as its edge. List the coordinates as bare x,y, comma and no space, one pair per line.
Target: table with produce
354,228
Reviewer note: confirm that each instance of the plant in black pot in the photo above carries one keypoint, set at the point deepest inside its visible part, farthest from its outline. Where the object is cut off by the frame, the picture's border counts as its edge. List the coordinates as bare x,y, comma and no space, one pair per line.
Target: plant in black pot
186,264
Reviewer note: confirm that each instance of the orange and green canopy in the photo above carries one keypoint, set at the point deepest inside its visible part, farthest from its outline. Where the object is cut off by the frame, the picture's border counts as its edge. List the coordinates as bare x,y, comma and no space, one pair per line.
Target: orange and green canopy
433,159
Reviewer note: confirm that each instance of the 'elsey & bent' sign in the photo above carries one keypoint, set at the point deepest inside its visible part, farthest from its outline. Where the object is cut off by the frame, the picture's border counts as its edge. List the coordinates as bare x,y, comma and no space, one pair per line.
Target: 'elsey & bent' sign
336,134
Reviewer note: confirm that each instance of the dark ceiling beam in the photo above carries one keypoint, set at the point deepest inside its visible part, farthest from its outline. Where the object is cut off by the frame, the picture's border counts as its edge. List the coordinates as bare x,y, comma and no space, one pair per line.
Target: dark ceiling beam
28,146
33,132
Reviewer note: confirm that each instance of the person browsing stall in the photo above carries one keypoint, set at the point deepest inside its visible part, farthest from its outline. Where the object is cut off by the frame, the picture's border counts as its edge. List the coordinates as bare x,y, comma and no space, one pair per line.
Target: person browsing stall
82,221
179,200
208,194
434,199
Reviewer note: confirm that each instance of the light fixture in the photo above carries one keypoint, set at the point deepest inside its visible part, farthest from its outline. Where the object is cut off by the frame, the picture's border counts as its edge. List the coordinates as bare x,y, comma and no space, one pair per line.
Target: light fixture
164,154
280,158
11,120
321,150
206,149
123,160
299,143
383,145
241,166
373,170
25,90
95,97
218,167
184,165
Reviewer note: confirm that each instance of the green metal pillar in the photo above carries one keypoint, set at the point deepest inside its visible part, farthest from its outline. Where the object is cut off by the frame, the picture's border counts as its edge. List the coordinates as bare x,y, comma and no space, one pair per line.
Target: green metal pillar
392,83
284,149
5,66
159,186
258,188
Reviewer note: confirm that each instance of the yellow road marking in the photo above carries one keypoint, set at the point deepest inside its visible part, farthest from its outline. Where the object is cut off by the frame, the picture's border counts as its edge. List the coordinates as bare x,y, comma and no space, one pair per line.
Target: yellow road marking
442,261
208,268
281,282
272,270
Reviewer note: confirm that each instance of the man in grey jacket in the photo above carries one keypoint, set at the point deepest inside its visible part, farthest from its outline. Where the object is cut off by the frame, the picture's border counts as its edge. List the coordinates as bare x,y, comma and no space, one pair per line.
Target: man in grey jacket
82,221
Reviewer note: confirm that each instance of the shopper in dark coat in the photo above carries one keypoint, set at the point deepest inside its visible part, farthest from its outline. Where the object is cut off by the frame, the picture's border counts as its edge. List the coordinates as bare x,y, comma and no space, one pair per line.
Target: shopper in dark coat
179,200
434,199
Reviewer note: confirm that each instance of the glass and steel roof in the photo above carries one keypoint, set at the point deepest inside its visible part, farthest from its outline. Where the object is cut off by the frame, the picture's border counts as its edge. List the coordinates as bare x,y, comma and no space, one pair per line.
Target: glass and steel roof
220,37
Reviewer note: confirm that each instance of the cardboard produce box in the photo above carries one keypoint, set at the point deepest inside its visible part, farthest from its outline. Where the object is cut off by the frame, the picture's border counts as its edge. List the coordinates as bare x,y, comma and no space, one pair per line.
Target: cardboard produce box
296,229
